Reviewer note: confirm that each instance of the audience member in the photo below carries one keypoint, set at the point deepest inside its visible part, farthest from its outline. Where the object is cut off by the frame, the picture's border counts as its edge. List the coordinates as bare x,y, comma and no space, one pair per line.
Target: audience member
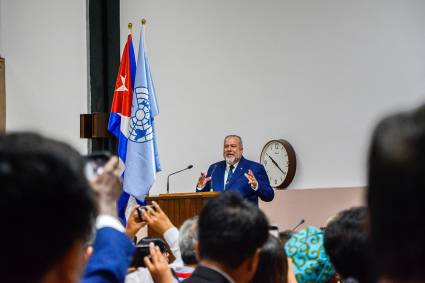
182,244
310,261
188,238
112,248
158,266
273,264
285,235
348,246
49,209
231,233
396,197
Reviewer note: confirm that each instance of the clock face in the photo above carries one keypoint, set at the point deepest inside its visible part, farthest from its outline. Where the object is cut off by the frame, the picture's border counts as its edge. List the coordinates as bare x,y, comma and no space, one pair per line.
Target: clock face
278,158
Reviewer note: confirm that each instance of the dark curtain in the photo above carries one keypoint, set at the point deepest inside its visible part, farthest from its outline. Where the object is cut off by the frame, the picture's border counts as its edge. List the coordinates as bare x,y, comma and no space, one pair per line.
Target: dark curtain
104,59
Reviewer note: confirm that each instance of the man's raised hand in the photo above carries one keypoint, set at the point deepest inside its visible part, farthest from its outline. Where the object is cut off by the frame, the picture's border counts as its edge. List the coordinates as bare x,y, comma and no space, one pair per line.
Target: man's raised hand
203,180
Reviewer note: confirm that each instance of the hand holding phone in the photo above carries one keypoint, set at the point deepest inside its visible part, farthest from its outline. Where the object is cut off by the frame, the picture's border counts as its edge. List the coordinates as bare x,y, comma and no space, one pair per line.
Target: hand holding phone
156,218
134,222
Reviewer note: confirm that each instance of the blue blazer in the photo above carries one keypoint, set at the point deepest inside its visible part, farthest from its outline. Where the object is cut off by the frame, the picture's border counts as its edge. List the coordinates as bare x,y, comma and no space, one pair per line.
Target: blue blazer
239,182
112,254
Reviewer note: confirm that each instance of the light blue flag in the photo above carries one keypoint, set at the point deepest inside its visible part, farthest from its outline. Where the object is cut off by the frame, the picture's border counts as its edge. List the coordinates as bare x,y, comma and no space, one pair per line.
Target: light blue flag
142,160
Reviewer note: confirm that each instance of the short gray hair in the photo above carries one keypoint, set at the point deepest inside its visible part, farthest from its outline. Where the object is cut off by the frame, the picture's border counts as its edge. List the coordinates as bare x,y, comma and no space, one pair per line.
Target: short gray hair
188,236
235,136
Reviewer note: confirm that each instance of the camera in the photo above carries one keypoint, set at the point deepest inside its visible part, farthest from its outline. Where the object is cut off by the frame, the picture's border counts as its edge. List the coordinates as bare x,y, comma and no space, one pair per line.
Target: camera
95,162
141,208
142,250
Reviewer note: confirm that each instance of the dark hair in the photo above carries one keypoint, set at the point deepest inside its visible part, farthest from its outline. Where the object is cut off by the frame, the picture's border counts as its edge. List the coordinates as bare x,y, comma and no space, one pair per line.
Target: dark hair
273,264
285,235
396,196
46,204
231,229
188,237
347,244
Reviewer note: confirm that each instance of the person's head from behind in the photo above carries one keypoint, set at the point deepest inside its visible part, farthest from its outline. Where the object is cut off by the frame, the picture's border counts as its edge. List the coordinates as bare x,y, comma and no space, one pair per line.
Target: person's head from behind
396,195
273,264
188,237
231,233
347,244
285,235
47,207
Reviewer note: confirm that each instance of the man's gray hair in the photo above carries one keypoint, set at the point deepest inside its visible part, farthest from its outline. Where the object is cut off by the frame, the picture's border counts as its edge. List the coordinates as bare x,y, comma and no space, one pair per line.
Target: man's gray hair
188,236
235,136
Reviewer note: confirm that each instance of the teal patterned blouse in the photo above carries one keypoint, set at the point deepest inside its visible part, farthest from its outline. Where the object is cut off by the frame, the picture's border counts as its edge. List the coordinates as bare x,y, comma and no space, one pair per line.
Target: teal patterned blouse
311,263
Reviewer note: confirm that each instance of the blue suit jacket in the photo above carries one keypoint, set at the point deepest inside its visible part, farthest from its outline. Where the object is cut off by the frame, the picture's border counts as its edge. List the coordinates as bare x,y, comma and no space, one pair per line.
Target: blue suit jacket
239,182
112,254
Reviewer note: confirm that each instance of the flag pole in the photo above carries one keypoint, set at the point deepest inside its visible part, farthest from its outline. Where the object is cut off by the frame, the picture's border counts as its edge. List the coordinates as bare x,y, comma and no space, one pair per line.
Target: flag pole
143,22
130,27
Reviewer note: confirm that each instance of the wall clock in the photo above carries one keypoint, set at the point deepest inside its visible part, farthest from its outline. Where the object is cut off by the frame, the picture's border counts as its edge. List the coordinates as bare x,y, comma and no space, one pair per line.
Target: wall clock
278,158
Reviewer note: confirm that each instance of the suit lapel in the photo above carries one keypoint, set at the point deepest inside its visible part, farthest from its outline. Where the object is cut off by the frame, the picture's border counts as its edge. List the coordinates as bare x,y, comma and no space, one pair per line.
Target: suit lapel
218,177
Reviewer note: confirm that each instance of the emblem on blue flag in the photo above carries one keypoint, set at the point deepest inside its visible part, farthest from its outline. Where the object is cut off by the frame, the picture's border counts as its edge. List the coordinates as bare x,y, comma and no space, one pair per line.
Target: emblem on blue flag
142,160
141,127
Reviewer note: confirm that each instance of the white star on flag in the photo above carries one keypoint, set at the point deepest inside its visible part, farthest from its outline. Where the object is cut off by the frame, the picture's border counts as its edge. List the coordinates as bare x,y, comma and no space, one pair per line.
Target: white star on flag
122,87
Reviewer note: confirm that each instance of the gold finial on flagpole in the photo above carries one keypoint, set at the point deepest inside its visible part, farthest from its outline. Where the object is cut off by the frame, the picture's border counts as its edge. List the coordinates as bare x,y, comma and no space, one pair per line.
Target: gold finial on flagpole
143,21
130,26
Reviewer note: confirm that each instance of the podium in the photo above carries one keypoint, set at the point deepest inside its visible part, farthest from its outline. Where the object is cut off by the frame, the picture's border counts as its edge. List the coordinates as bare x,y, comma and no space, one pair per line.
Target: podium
180,206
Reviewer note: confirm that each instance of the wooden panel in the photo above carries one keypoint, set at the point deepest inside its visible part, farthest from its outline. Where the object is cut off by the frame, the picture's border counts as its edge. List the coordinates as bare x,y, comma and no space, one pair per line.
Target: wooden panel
2,96
180,206
86,126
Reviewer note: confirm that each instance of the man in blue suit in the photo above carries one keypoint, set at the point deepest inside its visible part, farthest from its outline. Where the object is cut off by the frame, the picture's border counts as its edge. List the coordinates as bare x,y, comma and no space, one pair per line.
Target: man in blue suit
235,173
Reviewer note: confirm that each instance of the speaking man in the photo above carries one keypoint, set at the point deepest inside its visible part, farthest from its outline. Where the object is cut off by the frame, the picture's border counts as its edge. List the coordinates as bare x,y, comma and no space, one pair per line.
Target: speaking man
235,173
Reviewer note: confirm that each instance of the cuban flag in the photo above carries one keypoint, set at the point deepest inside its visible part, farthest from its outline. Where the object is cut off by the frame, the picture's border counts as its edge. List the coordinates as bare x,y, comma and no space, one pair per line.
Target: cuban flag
119,119
131,121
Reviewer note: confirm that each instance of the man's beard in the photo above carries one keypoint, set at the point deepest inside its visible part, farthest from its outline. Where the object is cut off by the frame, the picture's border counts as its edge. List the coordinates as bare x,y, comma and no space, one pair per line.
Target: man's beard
231,160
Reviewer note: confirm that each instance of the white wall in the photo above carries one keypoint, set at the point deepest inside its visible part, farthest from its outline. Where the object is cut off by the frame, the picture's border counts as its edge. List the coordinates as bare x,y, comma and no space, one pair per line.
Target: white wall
317,73
44,43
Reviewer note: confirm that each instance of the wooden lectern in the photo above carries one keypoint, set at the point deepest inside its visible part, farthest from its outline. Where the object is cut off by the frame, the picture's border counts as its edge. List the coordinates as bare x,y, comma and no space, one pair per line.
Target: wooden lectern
180,206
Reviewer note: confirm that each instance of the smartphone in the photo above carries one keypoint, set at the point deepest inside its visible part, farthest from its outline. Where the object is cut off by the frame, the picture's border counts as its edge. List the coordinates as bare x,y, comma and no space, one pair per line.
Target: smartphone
141,208
95,162
142,250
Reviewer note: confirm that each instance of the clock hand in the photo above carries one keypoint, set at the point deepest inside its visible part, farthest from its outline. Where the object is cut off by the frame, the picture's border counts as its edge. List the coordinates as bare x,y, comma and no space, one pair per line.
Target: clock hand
275,163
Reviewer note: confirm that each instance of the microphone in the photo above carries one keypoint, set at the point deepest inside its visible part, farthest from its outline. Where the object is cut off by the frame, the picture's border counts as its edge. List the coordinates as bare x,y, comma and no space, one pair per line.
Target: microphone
298,225
168,177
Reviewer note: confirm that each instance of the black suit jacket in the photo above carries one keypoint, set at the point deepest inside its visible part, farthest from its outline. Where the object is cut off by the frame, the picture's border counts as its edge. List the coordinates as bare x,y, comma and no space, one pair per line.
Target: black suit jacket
204,274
